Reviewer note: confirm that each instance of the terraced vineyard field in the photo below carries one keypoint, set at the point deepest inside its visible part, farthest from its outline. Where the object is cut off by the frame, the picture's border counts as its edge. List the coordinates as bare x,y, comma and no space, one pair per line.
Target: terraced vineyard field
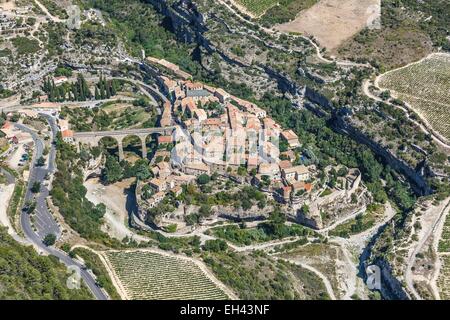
444,243
148,275
444,278
425,86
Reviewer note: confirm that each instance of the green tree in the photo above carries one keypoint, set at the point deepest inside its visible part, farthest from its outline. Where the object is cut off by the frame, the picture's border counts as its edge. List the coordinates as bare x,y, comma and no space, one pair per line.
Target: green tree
113,171
49,239
40,162
215,245
141,170
203,179
36,187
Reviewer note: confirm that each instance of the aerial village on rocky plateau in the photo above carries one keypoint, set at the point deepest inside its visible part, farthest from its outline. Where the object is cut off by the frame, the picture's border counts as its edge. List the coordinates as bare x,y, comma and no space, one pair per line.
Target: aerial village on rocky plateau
234,143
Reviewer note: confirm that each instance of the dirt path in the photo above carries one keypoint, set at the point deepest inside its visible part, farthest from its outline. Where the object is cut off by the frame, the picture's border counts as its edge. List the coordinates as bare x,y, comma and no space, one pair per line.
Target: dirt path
354,246
276,33
438,264
430,224
359,240
44,9
343,220
241,8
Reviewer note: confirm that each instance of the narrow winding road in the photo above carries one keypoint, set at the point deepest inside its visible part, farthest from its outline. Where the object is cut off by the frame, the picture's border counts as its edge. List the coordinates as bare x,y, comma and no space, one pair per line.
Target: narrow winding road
44,221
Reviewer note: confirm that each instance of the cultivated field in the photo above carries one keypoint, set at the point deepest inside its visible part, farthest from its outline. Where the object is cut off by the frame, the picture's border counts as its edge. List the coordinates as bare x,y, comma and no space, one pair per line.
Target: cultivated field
332,22
147,275
444,278
425,86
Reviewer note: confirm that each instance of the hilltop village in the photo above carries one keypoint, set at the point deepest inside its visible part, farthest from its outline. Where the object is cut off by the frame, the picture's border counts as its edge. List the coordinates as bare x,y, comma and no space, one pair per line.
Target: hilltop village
225,145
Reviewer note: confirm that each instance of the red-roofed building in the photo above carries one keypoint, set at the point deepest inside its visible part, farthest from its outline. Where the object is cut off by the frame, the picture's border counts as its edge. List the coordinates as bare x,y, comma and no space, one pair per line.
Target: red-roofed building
67,136
164,139
60,80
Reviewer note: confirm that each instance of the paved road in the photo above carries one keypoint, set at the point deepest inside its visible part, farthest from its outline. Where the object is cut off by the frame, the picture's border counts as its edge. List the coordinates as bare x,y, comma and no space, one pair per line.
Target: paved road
44,221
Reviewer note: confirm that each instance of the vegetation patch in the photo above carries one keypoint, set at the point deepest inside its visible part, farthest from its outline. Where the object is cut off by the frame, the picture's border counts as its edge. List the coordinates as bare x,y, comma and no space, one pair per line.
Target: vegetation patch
410,29
257,7
444,278
285,11
25,46
262,233
361,223
25,275
255,276
321,256
112,116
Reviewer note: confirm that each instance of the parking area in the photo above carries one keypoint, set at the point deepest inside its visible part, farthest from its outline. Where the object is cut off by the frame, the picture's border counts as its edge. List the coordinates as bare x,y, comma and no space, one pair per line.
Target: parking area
20,154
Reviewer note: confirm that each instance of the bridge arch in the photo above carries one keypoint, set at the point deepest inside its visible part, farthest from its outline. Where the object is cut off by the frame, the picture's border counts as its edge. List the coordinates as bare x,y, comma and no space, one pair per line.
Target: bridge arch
135,139
94,138
110,142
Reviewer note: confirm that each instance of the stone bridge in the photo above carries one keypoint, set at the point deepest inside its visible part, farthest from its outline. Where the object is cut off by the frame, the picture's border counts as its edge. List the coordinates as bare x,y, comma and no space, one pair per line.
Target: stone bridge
93,138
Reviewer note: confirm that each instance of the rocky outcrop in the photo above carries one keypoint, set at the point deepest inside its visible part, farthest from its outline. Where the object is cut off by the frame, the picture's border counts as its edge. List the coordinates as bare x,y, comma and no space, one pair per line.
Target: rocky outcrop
183,19
318,98
309,219
419,181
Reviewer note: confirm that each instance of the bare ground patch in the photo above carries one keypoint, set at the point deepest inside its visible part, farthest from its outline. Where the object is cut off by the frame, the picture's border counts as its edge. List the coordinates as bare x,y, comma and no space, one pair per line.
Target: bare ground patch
332,22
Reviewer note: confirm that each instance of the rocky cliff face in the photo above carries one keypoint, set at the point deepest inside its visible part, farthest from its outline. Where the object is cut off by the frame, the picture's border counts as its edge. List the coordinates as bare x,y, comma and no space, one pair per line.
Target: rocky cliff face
184,18
418,180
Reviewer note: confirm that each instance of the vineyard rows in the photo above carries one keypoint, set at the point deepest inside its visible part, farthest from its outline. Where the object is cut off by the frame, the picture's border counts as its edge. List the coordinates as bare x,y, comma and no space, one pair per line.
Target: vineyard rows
444,242
444,278
425,86
152,276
